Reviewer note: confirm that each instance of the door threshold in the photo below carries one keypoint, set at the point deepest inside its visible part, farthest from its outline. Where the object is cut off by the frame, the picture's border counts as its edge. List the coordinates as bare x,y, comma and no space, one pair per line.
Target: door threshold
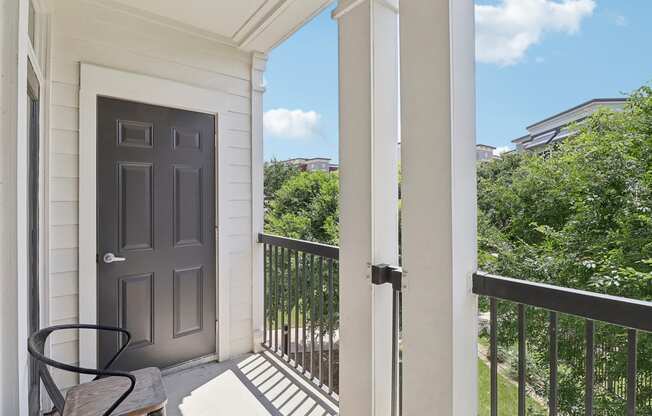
195,362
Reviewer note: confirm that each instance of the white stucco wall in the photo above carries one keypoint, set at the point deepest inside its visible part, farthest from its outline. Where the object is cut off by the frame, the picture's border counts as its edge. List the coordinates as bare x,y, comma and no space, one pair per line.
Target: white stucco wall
84,31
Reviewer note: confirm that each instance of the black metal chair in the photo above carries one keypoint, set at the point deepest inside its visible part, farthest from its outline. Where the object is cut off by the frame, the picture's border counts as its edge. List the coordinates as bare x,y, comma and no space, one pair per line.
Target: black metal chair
144,388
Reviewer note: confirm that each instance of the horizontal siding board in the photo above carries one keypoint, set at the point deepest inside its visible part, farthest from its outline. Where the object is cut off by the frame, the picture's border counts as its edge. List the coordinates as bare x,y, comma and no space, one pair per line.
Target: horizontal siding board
239,104
65,379
64,307
64,284
79,50
233,138
64,189
65,165
238,155
66,352
64,213
239,173
237,122
237,209
65,118
65,70
64,260
65,142
64,236
102,25
238,226
64,94
238,191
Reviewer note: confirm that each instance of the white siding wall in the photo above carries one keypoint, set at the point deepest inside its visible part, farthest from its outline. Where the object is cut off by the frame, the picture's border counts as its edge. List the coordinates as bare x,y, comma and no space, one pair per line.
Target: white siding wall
86,31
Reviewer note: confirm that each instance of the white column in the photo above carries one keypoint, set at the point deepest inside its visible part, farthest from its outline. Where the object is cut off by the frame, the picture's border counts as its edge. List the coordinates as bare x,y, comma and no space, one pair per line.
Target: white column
258,64
368,41
439,207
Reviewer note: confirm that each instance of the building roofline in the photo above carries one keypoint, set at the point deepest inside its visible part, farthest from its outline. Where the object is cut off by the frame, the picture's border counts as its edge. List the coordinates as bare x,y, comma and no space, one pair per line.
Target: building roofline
522,139
485,145
307,159
577,107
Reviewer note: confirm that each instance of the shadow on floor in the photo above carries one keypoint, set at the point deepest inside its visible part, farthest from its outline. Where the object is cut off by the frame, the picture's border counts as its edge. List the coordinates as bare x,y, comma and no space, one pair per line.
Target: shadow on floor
256,384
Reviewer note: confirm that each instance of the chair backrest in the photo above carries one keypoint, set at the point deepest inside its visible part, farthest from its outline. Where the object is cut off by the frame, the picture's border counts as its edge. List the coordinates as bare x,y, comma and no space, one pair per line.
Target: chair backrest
36,348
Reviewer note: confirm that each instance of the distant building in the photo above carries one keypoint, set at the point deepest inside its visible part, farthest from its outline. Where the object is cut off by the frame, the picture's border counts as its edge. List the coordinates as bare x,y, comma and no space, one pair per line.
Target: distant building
484,152
320,164
555,128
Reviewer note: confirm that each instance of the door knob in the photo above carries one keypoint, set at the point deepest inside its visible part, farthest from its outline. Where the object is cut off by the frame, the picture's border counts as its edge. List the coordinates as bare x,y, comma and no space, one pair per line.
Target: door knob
110,258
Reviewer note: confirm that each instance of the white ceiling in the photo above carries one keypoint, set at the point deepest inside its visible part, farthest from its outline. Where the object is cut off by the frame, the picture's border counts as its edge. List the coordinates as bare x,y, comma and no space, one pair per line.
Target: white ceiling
248,24
222,17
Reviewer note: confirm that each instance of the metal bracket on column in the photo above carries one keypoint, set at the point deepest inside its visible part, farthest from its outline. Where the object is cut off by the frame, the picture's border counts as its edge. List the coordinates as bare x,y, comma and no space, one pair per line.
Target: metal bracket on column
384,273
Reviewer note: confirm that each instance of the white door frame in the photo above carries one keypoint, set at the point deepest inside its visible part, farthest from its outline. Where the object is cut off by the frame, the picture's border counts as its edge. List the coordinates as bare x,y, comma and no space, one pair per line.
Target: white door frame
101,81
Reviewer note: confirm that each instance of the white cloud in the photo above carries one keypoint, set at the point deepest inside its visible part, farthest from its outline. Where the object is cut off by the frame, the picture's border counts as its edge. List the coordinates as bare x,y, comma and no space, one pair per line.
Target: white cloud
502,149
291,124
621,20
505,31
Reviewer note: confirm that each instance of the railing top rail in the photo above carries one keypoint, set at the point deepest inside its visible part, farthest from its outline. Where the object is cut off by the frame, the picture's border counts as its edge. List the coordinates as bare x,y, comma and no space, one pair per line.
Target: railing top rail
629,313
318,249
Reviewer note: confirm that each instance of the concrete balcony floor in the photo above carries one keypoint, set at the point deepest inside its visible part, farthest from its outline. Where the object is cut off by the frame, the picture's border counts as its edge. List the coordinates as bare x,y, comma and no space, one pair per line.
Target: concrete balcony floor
254,384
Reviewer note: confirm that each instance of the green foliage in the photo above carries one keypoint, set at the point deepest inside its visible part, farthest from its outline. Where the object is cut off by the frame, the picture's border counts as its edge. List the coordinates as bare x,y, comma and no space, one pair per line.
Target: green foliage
507,393
578,217
276,174
306,207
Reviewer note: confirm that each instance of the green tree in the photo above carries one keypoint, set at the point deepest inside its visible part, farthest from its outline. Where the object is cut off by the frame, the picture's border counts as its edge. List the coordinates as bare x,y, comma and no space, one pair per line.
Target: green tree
579,217
306,207
276,174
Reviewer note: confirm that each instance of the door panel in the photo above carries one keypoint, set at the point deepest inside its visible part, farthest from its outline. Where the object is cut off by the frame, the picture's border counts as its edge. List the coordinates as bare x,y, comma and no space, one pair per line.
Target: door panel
156,209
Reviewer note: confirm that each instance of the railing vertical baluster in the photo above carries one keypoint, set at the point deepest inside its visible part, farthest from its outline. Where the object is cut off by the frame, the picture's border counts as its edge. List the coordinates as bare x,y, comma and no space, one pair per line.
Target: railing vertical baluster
493,346
330,325
265,293
295,289
589,368
282,299
521,359
289,309
552,397
313,313
321,320
275,312
304,305
396,313
631,371
296,312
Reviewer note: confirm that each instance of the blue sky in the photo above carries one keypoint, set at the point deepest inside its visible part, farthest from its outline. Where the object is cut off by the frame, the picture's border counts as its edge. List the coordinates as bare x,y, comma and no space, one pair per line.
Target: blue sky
534,58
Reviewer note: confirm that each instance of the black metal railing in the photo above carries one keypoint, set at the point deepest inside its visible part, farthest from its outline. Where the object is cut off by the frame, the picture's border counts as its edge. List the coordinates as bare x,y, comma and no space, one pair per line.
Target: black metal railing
302,307
593,309
301,299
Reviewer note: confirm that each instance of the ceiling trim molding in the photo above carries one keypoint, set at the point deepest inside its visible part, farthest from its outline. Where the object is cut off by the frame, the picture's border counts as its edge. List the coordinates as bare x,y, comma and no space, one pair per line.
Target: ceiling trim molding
264,23
299,25
164,21
252,20
346,6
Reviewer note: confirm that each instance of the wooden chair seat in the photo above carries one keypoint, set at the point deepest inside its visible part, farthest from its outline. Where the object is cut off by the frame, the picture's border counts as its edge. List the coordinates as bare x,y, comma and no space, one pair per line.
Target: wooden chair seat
95,397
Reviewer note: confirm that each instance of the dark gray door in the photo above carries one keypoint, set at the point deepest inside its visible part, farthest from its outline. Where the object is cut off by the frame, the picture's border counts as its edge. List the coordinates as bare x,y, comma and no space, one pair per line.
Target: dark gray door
156,232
